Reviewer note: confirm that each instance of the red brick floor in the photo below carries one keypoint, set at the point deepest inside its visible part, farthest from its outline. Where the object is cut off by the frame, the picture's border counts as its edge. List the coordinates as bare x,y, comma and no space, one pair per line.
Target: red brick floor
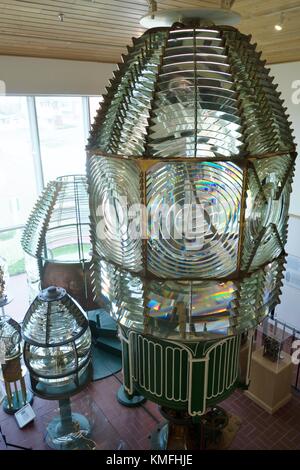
117,427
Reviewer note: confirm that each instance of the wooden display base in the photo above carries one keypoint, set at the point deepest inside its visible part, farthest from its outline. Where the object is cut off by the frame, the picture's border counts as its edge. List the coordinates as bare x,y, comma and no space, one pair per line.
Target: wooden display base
270,382
269,409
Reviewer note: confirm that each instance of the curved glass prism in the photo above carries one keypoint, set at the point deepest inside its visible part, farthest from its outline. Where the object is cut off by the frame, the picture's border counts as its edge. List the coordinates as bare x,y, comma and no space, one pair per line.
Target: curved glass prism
58,228
56,239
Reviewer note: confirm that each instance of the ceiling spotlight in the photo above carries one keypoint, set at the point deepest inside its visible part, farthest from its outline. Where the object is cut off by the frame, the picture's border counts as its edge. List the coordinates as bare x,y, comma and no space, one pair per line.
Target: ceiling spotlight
279,25
61,17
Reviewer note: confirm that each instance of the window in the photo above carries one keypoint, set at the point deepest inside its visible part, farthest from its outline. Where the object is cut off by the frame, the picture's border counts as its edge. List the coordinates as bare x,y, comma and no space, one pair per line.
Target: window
11,250
62,139
17,181
17,287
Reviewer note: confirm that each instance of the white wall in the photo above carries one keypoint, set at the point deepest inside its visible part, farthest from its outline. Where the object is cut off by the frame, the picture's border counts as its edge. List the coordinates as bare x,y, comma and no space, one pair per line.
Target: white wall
289,308
288,78
32,76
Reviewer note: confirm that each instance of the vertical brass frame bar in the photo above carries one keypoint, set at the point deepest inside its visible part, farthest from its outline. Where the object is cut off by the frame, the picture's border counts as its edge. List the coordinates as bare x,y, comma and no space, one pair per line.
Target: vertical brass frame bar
242,217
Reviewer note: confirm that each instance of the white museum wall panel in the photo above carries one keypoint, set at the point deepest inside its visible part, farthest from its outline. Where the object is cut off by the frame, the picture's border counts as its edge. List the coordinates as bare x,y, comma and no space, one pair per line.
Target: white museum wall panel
288,78
34,76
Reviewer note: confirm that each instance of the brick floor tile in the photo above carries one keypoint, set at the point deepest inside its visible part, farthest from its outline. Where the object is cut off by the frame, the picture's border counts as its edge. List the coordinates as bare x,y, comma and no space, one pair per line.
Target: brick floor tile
128,428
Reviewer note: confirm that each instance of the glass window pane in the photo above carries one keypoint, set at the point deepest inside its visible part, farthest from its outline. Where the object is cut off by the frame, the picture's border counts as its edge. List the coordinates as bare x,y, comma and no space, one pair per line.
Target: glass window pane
11,250
61,130
17,286
95,103
17,181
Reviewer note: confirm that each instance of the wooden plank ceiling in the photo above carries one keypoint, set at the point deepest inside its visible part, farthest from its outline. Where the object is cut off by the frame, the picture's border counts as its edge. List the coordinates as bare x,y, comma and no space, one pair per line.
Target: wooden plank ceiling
99,30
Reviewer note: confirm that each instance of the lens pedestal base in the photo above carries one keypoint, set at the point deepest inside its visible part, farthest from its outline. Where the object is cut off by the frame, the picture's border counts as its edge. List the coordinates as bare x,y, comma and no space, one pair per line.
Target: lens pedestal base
69,431
130,401
16,402
180,432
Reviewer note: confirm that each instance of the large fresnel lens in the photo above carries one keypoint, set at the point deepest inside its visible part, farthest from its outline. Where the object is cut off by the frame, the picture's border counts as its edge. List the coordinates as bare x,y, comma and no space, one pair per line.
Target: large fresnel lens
190,167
